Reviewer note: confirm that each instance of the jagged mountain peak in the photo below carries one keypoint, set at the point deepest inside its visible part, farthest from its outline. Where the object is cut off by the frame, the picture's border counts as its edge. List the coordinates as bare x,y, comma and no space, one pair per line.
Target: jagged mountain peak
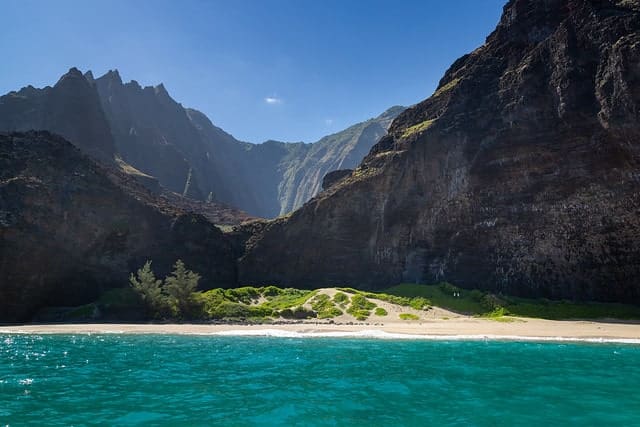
72,75
112,76
161,90
89,76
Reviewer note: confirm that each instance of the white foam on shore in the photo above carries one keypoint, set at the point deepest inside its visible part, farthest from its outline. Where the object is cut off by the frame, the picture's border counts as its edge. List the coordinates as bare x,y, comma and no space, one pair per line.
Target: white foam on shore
374,333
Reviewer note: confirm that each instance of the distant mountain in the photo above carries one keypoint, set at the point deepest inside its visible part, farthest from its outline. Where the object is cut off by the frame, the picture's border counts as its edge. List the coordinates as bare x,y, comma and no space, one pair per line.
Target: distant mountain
343,150
189,154
157,138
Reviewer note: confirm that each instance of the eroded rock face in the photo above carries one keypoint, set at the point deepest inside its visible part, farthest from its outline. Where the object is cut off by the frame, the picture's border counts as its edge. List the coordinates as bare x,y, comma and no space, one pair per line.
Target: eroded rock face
520,174
70,228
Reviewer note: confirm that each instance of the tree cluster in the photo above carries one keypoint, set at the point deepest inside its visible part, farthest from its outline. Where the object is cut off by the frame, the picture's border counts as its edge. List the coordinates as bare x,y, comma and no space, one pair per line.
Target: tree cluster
171,297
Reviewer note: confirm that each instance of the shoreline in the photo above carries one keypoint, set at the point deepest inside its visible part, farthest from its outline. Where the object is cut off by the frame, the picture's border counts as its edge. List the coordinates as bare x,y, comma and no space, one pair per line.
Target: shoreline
466,328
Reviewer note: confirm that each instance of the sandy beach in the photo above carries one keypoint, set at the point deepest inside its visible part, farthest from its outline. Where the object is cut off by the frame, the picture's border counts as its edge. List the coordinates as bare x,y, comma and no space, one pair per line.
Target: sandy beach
459,328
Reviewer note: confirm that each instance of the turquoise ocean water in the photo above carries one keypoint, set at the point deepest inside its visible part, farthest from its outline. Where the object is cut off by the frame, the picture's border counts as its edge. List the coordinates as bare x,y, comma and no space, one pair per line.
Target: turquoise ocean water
206,380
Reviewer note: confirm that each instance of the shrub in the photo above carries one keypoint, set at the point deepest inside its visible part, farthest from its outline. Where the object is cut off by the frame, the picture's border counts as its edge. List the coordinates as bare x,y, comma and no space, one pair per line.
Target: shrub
497,312
230,310
297,313
360,307
476,295
321,302
289,298
246,294
330,313
287,313
270,291
380,311
408,316
359,314
491,302
340,298
325,308
448,288
359,301
418,128
419,303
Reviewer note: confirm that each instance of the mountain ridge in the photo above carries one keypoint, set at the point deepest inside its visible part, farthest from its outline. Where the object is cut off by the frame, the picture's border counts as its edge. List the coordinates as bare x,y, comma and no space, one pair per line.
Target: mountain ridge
180,147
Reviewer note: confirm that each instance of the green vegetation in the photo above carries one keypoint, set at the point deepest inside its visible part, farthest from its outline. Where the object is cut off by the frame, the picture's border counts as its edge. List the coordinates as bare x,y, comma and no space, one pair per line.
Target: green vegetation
447,87
408,316
180,286
379,311
418,128
360,307
297,313
418,302
330,313
496,307
176,297
441,295
173,297
119,300
149,289
558,310
253,303
245,295
341,298
325,308
83,312
287,298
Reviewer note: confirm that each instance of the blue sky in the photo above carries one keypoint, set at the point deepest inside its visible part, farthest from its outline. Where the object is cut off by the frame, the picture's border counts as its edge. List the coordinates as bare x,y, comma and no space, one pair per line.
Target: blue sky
291,70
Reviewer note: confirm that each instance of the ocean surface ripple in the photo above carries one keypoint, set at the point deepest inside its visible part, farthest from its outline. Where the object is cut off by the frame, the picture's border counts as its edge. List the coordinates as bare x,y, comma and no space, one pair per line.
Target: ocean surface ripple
114,379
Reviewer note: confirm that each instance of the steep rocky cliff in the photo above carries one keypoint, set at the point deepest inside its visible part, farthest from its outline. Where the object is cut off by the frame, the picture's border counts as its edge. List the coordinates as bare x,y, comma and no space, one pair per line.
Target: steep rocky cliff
520,174
343,150
70,228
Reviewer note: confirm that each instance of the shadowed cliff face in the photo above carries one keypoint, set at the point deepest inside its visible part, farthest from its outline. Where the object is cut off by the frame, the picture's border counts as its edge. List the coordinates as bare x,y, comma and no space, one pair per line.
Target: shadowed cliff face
70,228
70,108
519,174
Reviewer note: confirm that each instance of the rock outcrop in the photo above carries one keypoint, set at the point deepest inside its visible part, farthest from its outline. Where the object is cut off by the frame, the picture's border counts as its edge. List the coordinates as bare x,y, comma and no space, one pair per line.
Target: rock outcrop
520,174
334,177
71,228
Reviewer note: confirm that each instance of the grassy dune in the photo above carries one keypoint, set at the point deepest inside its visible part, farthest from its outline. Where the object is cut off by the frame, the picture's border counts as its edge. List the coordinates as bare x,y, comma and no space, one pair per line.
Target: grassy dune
407,302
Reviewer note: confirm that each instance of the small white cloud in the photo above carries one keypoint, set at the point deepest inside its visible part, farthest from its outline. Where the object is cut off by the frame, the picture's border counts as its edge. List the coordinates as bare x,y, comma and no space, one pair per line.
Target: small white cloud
272,100
328,122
